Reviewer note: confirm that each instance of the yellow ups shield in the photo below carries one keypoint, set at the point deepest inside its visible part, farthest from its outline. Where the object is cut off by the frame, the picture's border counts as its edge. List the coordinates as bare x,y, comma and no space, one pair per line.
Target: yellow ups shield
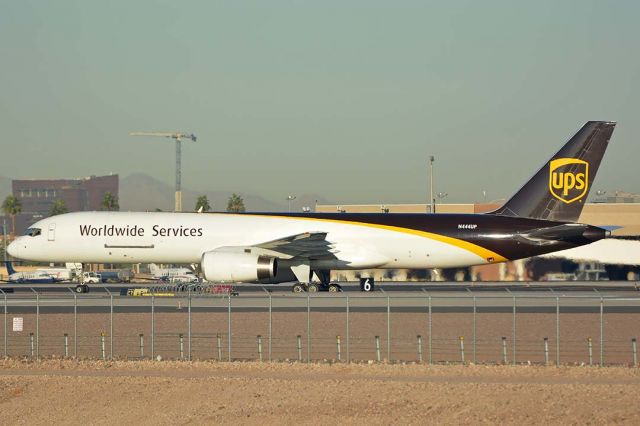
568,179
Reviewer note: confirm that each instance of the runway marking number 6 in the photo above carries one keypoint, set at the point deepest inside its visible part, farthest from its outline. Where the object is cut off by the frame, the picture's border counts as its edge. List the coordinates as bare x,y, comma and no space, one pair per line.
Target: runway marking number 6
366,284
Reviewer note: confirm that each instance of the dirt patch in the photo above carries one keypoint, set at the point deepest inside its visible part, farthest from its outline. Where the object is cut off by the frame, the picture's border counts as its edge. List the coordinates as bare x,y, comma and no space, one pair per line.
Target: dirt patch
147,392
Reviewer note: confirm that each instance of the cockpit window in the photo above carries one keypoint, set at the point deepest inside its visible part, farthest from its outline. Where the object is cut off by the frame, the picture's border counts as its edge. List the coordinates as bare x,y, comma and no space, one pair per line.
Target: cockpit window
33,232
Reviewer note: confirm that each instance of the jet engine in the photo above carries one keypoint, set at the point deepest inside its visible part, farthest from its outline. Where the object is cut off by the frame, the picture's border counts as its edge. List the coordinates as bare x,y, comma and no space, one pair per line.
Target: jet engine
238,267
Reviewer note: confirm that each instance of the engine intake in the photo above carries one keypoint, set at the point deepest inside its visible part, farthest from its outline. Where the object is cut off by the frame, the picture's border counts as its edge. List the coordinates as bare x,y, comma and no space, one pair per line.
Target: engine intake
238,267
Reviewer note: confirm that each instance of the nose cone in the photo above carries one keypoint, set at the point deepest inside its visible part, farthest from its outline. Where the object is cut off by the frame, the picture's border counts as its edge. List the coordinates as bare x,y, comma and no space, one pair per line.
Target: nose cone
13,249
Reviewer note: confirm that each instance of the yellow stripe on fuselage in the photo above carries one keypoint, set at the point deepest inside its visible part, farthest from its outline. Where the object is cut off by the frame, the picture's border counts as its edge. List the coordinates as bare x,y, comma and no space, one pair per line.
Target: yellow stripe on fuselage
486,254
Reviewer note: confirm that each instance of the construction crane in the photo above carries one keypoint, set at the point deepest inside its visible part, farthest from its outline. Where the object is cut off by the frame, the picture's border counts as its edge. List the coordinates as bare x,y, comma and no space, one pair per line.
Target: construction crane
178,138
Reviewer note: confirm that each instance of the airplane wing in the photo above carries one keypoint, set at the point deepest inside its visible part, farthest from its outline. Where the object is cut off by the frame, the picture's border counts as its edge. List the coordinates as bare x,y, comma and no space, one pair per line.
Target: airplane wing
306,245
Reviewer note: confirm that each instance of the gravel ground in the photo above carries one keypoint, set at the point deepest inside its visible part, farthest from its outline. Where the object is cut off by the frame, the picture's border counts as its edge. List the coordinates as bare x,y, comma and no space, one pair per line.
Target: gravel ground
170,392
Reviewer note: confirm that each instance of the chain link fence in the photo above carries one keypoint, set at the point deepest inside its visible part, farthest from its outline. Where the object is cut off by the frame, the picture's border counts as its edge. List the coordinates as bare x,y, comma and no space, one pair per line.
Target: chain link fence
543,330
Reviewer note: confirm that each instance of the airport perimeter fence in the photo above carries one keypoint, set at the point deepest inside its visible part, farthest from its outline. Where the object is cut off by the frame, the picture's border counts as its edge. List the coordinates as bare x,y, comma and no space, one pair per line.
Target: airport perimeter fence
421,328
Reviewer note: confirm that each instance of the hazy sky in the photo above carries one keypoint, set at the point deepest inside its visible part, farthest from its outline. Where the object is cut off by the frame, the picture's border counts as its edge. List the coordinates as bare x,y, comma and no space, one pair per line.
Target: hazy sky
344,99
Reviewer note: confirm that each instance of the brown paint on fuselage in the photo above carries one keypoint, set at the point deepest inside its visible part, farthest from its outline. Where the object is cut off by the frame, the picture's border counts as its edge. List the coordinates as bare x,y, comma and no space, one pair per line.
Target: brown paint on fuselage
500,234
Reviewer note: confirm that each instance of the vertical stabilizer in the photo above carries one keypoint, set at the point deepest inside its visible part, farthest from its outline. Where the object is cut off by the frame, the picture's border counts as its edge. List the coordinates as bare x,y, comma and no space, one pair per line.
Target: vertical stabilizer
559,190
10,270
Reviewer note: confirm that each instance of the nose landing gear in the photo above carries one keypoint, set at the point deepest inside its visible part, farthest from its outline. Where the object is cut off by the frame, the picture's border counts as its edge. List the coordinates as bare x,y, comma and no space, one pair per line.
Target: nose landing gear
82,288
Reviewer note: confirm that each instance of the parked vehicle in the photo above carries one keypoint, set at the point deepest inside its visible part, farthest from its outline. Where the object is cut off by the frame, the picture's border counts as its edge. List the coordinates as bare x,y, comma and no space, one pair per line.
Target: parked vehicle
116,275
91,278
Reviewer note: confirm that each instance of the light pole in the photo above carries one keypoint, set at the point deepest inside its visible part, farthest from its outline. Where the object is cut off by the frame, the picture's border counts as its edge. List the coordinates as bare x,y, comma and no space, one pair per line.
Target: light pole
441,196
289,199
431,199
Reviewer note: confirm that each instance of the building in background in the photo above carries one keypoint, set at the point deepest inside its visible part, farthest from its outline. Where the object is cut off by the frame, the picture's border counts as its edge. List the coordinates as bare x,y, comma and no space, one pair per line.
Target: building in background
37,196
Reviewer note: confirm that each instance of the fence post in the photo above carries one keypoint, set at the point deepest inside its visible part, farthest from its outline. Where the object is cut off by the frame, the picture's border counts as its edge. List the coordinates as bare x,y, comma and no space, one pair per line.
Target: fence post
75,325
5,324
308,328
378,348
601,332
348,334
430,335
420,348
37,325
504,350
219,345
388,329
546,351
634,350
338,349
514,330
110,326
102,350
299,347
180,336
153,325
189,326
141,345
462,349
474,330
66,345
557,331
270,326
229,326
32,344
590,349
260,347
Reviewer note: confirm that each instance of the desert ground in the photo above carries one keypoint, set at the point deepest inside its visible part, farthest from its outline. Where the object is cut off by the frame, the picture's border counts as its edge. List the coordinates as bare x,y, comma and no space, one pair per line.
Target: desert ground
57,391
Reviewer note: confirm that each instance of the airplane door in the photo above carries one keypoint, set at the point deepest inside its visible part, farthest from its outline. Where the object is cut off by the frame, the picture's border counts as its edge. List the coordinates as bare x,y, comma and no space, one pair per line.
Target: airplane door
52,232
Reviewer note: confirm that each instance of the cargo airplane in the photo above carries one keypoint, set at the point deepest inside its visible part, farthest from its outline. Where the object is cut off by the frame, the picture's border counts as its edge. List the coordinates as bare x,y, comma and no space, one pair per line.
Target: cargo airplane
305,247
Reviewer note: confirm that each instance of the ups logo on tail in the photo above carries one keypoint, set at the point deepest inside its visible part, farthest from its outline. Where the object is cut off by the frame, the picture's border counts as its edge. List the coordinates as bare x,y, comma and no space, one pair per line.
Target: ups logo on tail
568,179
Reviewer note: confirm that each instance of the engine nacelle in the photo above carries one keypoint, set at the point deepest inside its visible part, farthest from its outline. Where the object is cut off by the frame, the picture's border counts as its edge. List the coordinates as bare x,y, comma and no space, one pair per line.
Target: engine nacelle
238,267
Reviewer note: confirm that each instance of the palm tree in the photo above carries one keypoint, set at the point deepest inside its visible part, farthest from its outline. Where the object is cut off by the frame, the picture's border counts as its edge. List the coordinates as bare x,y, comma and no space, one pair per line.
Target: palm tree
11,206
110,202
202,203
235,204
58,207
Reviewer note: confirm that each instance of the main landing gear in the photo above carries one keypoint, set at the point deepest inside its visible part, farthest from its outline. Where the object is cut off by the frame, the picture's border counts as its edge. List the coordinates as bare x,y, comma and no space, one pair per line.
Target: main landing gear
306,283
316,287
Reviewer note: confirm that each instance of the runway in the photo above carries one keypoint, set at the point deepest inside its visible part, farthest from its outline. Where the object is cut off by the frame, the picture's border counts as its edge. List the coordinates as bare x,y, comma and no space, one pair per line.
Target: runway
576,288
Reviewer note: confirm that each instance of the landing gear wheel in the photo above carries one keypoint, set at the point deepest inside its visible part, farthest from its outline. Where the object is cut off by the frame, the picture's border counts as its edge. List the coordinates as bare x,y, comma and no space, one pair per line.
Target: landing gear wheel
335,288
80,288
298,288
313,288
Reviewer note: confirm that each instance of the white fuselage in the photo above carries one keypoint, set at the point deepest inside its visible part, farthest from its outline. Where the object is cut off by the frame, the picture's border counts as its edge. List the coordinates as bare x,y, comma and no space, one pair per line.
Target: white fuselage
146,237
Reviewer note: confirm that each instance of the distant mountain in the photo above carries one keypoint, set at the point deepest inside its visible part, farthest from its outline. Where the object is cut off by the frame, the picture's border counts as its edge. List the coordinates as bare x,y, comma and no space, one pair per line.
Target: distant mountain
141,192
